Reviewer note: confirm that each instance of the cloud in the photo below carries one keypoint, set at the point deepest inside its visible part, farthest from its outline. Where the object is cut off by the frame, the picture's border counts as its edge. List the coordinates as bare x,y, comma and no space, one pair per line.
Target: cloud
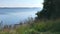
21,5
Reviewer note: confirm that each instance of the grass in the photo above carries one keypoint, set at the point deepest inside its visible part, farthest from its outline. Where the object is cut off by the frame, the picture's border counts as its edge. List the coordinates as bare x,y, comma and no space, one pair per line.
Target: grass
39,27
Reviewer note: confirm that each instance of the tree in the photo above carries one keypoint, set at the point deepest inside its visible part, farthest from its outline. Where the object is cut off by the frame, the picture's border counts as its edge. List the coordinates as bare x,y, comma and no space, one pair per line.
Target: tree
51,10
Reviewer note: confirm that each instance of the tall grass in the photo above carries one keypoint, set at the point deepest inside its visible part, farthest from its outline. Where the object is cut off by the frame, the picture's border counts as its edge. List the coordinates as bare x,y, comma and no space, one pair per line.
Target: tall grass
36,27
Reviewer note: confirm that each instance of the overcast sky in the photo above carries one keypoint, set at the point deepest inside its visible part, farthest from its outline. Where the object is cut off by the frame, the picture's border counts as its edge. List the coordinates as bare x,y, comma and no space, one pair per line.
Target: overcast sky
21,3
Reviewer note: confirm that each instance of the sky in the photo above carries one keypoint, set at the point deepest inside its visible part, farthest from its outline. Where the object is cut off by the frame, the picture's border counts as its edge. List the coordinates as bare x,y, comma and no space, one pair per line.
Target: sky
21,3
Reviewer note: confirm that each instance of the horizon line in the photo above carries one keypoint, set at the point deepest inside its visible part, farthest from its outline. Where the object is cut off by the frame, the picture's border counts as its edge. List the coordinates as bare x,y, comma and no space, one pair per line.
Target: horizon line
21,7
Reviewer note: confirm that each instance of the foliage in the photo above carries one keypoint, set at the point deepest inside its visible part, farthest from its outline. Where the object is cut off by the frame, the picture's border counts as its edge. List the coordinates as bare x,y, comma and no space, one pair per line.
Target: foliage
44,27
51,10
48,23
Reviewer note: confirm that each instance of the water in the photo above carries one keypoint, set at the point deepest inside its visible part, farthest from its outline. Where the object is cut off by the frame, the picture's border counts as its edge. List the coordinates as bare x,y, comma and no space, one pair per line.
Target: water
15,15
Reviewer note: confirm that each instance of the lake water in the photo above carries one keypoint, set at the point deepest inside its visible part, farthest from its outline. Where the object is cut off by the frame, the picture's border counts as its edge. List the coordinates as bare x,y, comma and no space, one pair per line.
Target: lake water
15,15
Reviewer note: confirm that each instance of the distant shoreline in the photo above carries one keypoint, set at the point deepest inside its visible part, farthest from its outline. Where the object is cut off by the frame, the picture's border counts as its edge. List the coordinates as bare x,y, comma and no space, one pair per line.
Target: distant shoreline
17,7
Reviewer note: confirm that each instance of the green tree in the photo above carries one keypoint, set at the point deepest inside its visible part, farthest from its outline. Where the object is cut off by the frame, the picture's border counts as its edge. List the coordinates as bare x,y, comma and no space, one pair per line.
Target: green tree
51,10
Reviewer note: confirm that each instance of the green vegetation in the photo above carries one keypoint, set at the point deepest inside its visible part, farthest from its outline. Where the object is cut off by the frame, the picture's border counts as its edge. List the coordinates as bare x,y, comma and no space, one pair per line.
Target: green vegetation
39,27
46,22
51,10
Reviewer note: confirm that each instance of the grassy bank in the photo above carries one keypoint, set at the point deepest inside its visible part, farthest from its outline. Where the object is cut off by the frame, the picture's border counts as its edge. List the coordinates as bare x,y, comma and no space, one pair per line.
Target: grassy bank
35,27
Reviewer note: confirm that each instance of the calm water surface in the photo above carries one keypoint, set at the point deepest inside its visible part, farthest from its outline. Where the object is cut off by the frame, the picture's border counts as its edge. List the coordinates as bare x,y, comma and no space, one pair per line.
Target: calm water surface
15,15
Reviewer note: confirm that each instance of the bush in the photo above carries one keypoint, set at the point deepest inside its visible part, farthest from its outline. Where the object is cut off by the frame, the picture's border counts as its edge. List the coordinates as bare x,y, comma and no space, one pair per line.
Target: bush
53,26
